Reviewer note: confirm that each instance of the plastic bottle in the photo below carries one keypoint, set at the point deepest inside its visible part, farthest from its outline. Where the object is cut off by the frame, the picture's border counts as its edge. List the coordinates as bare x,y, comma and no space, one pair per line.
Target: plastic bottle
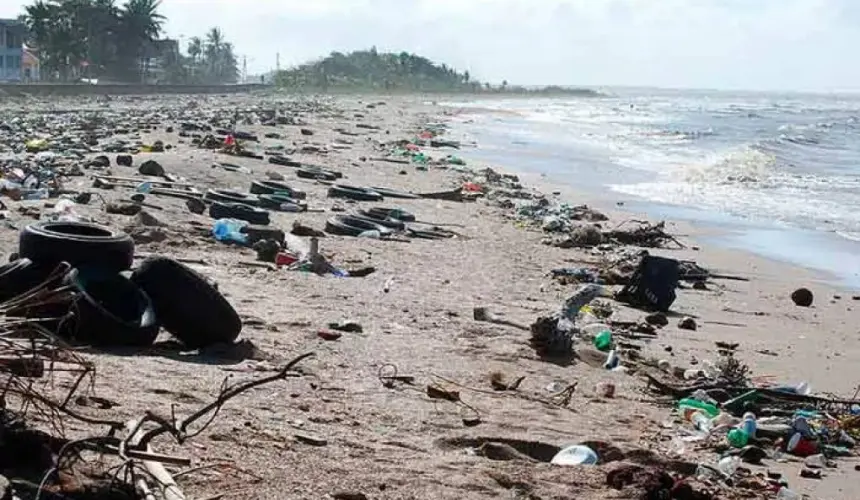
787,494
611,360
603,341
701,395
230,230
35,194
701,422
694,404
290,207
372,234
737,438
144,187
575,455
591,329
749,424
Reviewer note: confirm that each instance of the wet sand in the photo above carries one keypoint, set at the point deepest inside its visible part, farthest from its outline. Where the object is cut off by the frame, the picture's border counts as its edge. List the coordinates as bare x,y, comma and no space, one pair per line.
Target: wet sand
395,442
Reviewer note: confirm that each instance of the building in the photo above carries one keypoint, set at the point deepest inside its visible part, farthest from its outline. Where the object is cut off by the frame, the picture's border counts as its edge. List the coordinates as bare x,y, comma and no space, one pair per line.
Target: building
30,65
12,33
160,55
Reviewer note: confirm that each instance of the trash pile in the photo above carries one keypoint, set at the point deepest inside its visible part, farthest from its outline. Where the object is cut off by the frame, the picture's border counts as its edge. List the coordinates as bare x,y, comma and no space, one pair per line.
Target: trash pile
721,409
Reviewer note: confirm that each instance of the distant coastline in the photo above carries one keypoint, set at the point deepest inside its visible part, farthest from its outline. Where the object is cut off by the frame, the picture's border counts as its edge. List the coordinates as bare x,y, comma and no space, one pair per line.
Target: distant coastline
374,72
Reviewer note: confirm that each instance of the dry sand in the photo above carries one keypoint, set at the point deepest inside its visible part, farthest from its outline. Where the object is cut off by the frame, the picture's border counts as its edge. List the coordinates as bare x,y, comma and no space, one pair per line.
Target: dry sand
396,443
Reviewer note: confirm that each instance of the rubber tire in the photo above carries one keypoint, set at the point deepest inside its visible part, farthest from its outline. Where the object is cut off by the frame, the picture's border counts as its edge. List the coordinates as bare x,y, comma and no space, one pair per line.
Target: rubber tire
110,310
251,215
389,213
274,202
189,307
353,193
393,193
318,173
394,224
81,244
225,196
284,161
274,187
21,276
345,225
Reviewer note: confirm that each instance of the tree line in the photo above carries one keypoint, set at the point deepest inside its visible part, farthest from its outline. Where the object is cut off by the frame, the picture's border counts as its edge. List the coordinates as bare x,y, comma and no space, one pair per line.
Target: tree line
371,70
99,39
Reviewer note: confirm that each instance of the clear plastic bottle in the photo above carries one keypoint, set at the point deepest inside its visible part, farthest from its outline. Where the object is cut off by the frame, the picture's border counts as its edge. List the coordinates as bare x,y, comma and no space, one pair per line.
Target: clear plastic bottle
787,494
702,422
35,194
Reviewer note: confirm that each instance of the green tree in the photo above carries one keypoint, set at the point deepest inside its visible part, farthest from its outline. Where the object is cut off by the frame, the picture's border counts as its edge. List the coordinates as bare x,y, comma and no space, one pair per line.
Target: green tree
140,24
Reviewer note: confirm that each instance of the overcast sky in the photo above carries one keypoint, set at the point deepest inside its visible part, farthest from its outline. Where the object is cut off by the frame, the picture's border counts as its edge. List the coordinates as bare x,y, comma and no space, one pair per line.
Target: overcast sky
737,44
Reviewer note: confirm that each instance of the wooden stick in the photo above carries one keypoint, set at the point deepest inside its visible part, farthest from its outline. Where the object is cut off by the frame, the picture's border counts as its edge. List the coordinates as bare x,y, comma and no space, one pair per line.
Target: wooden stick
140,179
169,489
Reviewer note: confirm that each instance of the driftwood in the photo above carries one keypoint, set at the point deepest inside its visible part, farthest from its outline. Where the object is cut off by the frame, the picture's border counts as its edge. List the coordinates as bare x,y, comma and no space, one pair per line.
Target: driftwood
645,235
138,180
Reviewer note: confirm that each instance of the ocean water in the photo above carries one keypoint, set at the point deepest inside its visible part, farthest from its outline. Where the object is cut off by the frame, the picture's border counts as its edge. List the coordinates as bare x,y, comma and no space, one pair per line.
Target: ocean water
779,173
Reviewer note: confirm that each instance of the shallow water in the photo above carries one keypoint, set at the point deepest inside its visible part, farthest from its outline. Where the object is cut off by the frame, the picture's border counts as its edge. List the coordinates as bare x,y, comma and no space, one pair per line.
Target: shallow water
780,172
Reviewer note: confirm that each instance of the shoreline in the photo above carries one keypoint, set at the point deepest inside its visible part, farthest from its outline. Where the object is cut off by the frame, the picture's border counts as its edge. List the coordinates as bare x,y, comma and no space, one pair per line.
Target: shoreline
392,441
814,251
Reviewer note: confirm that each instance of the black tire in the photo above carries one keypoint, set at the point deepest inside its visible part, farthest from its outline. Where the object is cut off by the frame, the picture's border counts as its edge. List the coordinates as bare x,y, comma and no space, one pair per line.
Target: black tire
240,211
393,193
82,245
390,213
110,311
21,276
397,225
225,196
274,202
274,187
345,225
318,173
284,161
188,307
353,193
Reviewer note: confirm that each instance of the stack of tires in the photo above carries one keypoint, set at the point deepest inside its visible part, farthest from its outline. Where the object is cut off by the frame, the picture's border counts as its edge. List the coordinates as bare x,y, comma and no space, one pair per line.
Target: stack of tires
111,308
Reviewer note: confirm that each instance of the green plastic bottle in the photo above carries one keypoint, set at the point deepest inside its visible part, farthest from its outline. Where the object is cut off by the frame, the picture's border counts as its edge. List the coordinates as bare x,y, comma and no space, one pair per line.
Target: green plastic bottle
603,341
694,404
737,438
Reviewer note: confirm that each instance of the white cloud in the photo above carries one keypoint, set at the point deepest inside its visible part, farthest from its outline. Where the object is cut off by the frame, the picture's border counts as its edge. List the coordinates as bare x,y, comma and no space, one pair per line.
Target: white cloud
799,44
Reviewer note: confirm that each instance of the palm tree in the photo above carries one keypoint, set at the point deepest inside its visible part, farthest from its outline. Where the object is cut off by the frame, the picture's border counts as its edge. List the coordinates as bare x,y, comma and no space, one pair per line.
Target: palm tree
195,48
140,24
214,49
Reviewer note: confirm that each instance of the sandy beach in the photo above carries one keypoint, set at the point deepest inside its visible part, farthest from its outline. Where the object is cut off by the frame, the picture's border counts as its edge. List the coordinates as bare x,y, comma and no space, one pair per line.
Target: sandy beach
391,441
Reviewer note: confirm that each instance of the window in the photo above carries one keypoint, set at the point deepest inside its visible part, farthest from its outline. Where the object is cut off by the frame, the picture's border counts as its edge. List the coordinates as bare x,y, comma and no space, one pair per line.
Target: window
10,61
12,40
1,62
17,62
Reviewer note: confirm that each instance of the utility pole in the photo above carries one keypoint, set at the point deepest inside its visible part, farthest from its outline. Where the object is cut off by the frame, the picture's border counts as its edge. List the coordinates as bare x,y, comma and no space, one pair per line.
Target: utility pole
244,69
278,62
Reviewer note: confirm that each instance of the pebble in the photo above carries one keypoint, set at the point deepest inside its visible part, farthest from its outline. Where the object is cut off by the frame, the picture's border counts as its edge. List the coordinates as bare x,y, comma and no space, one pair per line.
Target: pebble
145,218
657,319
124,160
275,176
310,440
687,324
151,167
